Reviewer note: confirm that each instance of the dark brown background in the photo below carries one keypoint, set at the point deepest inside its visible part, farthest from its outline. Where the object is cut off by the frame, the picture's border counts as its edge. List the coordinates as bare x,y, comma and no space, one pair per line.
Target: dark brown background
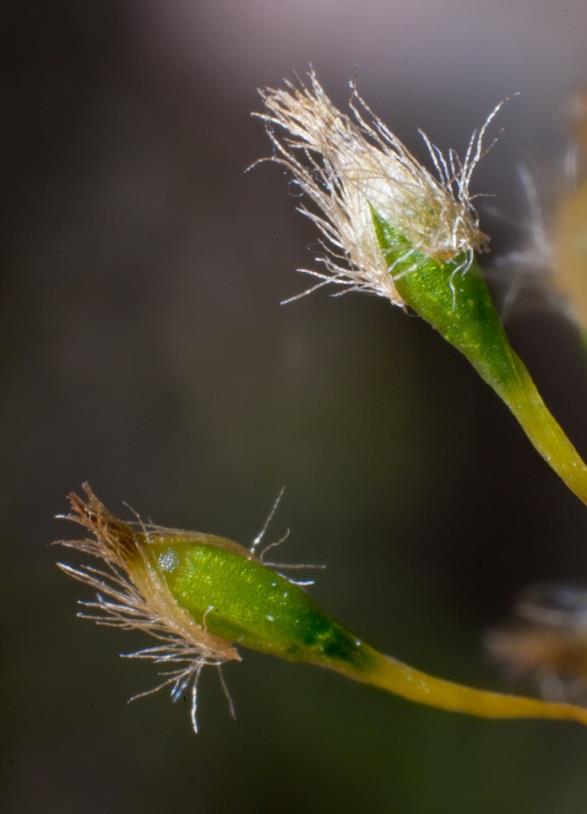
143,348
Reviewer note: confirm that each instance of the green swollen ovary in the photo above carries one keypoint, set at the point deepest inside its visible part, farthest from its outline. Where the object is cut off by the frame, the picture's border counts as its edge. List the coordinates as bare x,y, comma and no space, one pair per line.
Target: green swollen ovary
245,602
457,304
238,598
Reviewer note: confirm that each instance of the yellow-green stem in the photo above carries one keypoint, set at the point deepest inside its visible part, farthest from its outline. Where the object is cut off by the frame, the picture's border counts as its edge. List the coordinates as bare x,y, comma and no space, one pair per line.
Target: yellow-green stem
522,397
400,679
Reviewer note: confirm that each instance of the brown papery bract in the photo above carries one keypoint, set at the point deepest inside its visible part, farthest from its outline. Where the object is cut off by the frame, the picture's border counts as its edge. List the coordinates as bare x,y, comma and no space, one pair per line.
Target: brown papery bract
131,594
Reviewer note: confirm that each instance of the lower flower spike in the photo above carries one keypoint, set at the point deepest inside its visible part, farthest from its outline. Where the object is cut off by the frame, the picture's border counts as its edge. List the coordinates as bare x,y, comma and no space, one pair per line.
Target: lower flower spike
199,596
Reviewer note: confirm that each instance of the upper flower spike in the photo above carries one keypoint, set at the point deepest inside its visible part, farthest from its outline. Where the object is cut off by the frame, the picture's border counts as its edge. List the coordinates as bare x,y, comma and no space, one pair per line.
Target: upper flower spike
349,165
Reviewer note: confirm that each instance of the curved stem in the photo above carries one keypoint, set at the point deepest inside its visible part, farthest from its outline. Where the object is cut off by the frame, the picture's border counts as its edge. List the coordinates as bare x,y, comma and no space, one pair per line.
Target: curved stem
400,679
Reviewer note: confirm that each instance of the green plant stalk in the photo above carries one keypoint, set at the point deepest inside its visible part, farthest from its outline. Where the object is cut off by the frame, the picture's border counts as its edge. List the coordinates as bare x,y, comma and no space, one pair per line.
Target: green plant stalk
200,596
460,307
235,597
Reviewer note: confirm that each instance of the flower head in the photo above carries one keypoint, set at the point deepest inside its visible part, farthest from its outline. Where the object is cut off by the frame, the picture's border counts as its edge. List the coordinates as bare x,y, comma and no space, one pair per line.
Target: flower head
350,165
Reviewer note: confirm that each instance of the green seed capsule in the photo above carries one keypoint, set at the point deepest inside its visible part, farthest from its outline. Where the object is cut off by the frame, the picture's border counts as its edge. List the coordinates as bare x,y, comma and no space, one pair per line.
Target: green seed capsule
201,595
244,601
460,307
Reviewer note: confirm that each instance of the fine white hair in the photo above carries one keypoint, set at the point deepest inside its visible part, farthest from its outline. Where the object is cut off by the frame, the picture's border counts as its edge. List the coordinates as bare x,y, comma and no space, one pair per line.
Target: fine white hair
349,165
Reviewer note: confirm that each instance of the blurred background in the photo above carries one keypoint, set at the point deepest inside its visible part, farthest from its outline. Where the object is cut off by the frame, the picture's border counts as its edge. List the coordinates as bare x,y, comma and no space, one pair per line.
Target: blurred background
143,349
